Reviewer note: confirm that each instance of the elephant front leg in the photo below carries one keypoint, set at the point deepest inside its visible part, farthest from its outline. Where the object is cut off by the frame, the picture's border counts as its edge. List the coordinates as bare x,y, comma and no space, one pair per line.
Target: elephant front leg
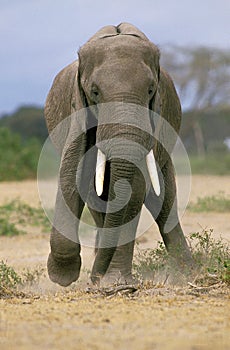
64,261
167,218
120,268
63,264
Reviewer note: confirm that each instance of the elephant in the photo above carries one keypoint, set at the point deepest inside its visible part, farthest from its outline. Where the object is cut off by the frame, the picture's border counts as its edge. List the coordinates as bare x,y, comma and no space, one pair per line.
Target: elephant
117,79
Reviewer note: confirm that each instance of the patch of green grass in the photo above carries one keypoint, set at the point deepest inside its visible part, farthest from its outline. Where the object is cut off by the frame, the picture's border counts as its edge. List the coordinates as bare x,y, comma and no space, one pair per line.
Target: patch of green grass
8,229
212,164
211,257
16,213
218,203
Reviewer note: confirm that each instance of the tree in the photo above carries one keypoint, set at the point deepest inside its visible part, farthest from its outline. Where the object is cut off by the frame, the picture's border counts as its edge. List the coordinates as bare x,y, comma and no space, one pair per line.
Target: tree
202,78
18,158
27,121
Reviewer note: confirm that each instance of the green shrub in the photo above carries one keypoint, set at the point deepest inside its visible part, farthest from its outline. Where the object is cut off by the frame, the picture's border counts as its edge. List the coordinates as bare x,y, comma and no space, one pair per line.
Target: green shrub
18,159
9,279
211,257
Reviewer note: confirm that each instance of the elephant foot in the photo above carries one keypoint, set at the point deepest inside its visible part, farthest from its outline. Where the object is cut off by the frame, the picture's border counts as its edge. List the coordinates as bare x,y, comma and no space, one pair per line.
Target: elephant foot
117,278
183,260
182,269
112,278
63,272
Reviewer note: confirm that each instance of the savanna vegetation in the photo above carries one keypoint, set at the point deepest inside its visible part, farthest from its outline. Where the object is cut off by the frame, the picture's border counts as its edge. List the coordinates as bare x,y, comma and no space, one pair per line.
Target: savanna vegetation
212,258
202,77
15,214
18,157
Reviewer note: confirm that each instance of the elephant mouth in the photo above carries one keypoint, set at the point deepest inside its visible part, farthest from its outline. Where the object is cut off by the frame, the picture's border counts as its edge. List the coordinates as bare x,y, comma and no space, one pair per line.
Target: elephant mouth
100,172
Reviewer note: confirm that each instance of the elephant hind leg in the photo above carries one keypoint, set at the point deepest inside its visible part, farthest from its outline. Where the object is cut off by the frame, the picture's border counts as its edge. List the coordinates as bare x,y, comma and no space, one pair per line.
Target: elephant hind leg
167,217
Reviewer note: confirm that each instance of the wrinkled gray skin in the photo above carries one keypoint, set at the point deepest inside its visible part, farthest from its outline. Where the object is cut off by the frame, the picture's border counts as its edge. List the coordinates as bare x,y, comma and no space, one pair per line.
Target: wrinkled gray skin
118,64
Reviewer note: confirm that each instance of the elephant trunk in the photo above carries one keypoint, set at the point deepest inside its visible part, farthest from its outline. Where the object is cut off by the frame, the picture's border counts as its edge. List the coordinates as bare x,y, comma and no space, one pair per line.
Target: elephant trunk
122,214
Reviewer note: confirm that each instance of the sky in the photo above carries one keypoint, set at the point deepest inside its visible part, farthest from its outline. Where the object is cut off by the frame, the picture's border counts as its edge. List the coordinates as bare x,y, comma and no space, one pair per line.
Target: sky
40,37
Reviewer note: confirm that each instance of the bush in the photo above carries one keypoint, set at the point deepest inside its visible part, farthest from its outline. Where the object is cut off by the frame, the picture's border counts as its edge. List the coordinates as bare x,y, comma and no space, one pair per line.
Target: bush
212,257
18,159
9,280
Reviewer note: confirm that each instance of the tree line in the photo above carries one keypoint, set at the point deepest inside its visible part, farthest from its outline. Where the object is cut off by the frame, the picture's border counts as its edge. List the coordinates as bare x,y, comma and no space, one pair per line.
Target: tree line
202,79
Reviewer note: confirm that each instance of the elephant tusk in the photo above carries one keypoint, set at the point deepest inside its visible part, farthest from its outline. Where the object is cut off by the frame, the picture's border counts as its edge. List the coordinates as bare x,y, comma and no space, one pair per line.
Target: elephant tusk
100,172
152,168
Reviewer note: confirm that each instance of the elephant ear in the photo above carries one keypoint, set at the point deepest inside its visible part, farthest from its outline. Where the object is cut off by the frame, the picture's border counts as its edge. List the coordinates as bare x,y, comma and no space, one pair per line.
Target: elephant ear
167,105
64,98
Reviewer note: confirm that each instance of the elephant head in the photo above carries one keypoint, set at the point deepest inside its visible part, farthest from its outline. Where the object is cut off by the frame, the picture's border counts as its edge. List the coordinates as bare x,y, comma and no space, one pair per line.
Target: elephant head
118,76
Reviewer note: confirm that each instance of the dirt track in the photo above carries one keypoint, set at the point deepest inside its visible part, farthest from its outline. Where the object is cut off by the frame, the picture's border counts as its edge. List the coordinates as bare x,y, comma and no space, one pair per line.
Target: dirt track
165,317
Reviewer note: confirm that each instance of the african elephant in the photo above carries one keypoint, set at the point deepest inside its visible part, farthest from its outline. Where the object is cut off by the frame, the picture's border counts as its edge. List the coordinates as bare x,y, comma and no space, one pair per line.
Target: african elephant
118,78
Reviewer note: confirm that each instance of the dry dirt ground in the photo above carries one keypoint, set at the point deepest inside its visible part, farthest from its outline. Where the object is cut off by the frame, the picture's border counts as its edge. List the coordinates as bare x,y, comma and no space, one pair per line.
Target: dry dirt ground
163,317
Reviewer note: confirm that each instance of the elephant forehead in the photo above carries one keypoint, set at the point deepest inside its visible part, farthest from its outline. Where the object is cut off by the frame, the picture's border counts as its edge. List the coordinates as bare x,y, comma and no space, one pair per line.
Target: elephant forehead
125,43
119,72
119,47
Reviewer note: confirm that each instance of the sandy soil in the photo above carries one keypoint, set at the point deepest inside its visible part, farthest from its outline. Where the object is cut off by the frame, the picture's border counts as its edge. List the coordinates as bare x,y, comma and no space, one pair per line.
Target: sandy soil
164,317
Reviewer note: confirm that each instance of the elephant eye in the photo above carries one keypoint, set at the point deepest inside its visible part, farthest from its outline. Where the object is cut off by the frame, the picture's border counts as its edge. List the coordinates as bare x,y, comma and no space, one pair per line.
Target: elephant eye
95,93
151,90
